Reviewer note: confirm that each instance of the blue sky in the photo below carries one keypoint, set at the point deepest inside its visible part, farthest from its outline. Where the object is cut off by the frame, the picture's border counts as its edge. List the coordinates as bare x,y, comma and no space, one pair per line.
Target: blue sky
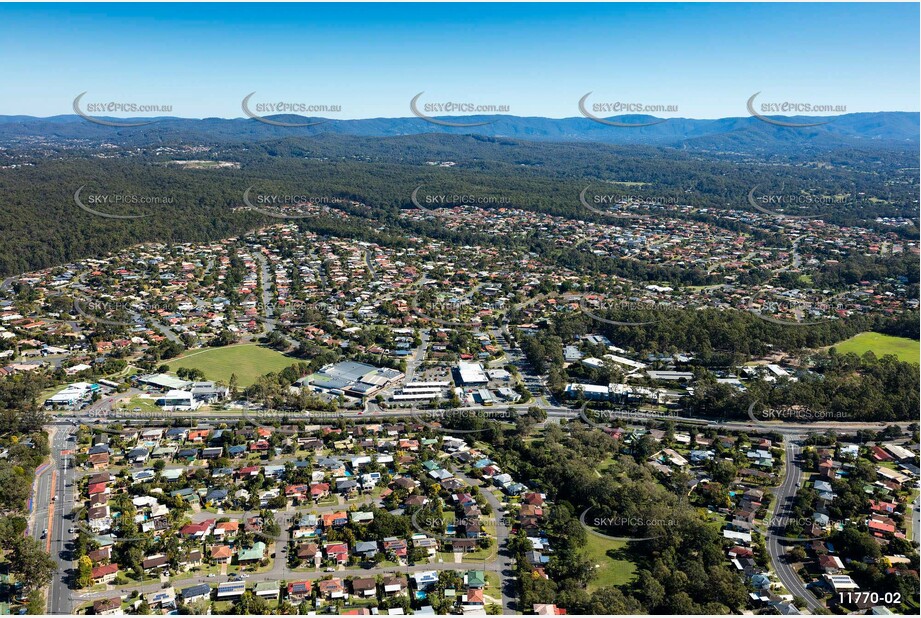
538,59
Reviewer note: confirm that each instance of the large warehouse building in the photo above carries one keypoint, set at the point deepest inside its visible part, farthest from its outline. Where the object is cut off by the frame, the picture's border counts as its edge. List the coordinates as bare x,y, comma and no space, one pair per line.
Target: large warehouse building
471,374
352,379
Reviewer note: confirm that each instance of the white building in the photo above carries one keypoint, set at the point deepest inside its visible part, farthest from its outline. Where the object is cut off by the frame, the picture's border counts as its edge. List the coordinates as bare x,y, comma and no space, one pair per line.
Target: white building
593,392
471,373
178,400
74,394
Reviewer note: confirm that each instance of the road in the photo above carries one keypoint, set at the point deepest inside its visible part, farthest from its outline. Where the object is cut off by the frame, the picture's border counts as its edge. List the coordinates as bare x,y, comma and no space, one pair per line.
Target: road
280,570
290,576
60,474
56,480
794,430
268,281
783,494
269,302
502,563
916,519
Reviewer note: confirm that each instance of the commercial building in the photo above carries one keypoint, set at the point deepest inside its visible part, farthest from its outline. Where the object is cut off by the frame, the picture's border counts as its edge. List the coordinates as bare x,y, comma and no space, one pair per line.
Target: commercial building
73,395
352,379
178,400
163,381
470,374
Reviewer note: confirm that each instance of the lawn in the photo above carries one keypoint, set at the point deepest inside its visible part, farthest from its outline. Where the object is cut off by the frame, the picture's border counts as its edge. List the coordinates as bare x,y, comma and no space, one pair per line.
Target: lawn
614,566
907,350
248,361
146,404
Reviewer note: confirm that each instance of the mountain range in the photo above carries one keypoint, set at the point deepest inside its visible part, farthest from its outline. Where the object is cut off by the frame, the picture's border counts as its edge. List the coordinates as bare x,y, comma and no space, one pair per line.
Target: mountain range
865,131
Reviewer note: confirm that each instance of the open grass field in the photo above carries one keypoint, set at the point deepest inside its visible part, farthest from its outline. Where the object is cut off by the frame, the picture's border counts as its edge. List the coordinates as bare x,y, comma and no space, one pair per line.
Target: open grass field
248,361
907,350
614,565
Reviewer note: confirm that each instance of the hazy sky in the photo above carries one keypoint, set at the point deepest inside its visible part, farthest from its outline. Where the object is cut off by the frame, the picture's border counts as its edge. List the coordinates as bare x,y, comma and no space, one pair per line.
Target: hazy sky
538,59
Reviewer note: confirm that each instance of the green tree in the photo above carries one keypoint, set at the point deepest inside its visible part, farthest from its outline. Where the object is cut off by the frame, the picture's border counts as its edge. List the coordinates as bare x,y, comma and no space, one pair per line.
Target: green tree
36,603
84,572
32,566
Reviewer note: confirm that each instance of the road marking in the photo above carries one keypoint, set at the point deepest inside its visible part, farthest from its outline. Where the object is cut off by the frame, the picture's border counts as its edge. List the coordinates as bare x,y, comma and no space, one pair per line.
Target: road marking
50,512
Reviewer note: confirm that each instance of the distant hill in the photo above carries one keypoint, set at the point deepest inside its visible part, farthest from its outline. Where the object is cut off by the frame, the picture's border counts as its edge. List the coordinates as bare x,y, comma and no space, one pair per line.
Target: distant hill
878,130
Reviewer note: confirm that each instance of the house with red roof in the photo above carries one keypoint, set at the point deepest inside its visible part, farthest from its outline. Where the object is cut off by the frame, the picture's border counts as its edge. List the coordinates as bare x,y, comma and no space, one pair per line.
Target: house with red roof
879,454
197,531
259,446
474,596
198,435
221,554
548,609
318,491
331,588
534,499
104,574
881,525
299,591
830,564
97,488
227,529
883,507
339,518
248,471
296,492
338,552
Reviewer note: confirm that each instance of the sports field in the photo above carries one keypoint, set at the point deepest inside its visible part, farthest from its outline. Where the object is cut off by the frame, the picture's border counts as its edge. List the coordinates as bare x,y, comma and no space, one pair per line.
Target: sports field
248,361
907,350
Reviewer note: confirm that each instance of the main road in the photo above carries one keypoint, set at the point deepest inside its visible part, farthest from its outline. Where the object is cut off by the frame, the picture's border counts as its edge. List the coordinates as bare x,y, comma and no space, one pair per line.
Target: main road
793,430
51,502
